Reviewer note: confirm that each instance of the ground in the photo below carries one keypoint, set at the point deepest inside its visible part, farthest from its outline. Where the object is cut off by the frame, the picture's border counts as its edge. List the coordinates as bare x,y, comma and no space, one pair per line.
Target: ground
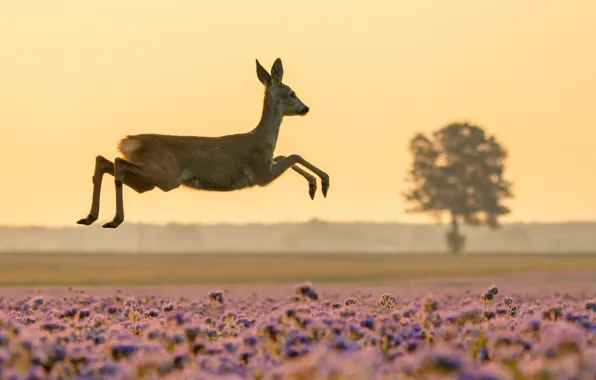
152,269
298,317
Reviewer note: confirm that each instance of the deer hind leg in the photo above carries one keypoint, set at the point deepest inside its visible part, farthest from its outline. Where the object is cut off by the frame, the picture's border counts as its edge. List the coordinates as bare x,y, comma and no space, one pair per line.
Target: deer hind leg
126,172
105,166
312,181
284,163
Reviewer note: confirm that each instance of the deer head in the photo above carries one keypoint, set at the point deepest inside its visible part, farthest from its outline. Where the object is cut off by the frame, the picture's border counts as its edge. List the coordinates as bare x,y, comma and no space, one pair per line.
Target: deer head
283,96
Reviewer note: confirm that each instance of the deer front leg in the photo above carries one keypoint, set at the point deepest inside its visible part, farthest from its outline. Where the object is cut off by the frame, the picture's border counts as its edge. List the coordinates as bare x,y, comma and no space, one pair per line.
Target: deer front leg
279,167
105,166
312,182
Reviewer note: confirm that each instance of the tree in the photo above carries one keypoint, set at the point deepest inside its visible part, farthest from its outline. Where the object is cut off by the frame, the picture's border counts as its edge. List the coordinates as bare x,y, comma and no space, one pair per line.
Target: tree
458,171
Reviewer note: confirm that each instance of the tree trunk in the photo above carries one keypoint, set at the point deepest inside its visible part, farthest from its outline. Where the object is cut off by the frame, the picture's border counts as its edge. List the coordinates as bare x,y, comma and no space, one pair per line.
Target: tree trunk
455,241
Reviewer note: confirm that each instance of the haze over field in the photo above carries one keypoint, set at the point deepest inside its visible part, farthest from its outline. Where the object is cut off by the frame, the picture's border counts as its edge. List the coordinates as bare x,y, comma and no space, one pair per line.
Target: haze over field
314,236
77,76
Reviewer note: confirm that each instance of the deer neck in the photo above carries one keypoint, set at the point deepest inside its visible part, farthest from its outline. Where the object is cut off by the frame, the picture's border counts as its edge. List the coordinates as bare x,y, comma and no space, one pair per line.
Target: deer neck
271,118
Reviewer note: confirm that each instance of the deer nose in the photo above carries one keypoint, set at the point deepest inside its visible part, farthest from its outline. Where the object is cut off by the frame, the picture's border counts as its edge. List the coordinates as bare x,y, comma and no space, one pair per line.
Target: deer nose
305,110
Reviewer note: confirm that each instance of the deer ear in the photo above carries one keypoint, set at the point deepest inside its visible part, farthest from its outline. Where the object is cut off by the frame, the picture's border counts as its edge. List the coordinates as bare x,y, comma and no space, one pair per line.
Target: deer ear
277,71
263,75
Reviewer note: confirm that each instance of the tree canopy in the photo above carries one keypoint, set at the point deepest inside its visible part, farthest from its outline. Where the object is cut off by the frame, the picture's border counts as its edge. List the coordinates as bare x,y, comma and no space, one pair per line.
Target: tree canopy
459,171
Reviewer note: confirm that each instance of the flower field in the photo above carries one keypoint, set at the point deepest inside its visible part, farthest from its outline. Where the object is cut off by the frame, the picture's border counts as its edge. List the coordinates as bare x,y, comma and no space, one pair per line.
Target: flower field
523,328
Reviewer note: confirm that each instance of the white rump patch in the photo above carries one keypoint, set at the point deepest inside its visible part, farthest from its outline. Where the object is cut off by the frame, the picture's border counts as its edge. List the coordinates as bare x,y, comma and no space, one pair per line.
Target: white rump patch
129,145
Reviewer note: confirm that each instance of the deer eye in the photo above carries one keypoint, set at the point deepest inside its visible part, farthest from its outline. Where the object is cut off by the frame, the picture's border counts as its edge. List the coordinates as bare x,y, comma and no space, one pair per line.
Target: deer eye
292,95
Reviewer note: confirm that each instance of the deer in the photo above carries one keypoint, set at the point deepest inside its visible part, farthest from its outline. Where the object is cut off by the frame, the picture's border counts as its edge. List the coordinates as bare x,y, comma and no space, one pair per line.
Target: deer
224,163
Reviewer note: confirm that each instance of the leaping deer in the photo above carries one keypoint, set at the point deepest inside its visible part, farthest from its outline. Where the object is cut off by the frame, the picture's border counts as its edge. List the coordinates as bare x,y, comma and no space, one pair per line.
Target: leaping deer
223,163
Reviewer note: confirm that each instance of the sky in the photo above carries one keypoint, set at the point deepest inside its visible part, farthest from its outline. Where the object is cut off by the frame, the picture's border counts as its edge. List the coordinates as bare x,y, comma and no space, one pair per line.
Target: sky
75,77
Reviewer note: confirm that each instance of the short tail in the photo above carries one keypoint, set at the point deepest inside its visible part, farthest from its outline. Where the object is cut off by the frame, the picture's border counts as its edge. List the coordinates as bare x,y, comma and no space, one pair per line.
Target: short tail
129,145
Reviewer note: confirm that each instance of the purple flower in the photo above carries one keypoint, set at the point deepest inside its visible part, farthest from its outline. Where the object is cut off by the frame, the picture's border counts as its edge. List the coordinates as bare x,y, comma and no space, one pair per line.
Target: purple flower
216,297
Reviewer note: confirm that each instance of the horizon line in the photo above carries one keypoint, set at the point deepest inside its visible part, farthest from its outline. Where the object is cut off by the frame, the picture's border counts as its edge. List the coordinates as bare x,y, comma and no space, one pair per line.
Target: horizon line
248,223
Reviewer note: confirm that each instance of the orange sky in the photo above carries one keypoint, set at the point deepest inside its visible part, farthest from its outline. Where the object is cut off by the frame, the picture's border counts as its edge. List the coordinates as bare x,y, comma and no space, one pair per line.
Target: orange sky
76,76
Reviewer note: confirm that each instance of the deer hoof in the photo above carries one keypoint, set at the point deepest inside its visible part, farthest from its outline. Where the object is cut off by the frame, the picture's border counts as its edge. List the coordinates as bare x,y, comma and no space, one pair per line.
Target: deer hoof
325,187
312,189
114,223
88,220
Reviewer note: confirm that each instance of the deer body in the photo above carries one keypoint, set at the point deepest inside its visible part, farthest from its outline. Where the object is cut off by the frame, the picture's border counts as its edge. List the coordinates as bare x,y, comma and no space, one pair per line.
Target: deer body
200,163
224,163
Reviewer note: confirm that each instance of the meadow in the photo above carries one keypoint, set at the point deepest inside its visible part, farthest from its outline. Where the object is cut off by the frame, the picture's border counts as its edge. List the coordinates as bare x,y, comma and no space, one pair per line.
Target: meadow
175,269
432,316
